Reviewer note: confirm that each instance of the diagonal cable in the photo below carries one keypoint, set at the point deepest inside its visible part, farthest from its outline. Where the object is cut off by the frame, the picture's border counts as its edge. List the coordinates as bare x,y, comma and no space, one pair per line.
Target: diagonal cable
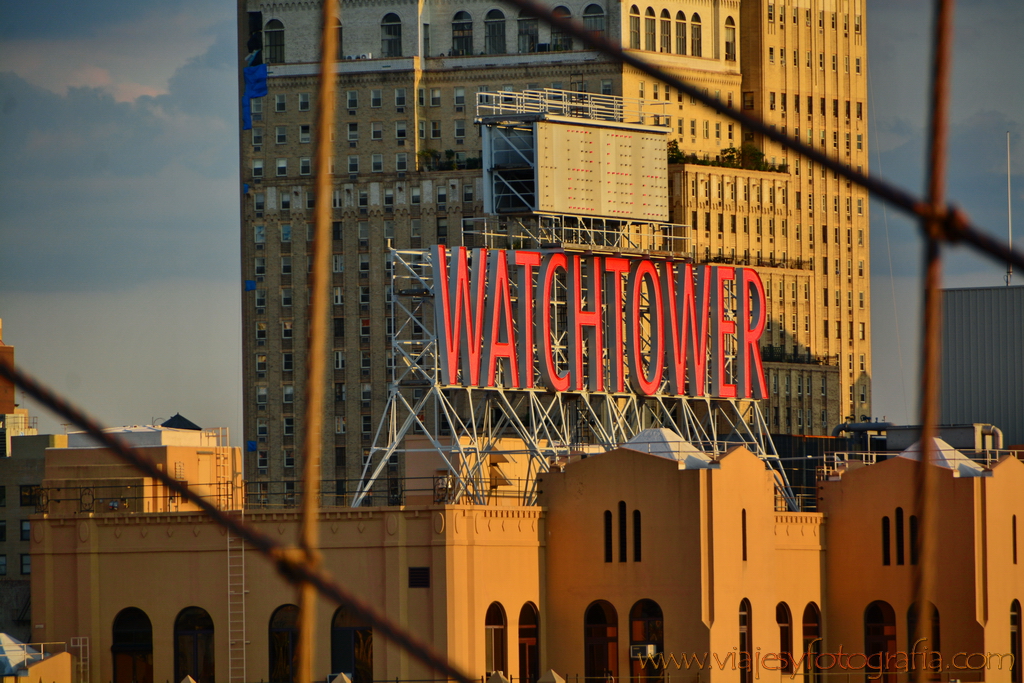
290,562
954,224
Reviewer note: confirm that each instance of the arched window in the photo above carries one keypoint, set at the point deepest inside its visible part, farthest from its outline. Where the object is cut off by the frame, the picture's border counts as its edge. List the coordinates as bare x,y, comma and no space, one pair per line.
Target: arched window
811,642
529,649
495,640
391,36
649,30
730,40
680,33
351,647
646,627
600,641
886,544
593,19
695,42
494,32
665,31
746,662
634,27
462,34
880,639
132,647
284,631
273,42
1015,642
637,543
340,53
932,643
528,33
561,42
193,645
899,535
608,536
784,618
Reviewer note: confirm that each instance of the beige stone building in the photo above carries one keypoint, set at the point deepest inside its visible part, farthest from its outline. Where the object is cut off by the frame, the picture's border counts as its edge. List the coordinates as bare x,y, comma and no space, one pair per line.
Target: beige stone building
632,562
406,164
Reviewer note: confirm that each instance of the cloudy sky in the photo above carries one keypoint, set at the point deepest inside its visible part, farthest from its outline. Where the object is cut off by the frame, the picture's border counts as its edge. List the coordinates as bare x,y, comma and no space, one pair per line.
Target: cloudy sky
119,269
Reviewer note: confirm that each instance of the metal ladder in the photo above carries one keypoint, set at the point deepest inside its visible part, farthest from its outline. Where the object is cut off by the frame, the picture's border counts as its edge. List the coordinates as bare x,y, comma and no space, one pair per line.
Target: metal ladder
236,608
81,644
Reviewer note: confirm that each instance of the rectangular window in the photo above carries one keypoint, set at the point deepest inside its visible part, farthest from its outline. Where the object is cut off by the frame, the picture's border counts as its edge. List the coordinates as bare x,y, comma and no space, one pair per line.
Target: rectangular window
287,364
257,137
303,101
281,134
257,168
286,296
376,130
460,96
460,128
401,161
26,530
29,495
26,564
400,130
353,99
282,167
304,134
353,131
280,103
376,98
435,97
305,165
377,163
435,129
286,232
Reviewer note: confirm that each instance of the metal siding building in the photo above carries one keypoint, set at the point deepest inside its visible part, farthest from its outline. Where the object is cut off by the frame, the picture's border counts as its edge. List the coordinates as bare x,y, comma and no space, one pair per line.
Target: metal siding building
983,358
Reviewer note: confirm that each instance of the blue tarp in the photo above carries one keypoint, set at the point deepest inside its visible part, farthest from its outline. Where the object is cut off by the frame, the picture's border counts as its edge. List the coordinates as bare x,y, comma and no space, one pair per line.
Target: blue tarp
255,86
250,285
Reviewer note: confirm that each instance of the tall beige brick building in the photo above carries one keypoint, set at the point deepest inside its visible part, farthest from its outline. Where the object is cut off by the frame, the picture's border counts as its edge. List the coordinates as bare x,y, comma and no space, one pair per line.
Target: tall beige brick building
407,160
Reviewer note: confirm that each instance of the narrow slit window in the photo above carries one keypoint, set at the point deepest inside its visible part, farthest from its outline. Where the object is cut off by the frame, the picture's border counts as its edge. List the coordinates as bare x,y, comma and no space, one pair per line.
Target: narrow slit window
607,535
743,532
637,549
899,535
886,558
622,531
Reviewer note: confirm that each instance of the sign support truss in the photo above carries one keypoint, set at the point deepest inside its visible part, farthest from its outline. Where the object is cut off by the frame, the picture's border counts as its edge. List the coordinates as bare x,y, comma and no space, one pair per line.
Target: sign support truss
460,428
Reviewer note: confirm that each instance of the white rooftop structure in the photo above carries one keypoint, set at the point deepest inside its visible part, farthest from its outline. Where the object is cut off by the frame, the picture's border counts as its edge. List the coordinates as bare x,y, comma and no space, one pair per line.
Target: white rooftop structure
948,457
667,444
154,435
15,656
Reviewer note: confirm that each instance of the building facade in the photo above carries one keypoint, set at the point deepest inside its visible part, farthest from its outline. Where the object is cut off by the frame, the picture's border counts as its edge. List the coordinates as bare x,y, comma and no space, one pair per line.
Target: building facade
982,348
632,562
407,174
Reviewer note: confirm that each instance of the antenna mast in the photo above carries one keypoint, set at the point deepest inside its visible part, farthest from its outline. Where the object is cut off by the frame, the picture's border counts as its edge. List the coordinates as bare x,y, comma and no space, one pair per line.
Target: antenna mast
1009,209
